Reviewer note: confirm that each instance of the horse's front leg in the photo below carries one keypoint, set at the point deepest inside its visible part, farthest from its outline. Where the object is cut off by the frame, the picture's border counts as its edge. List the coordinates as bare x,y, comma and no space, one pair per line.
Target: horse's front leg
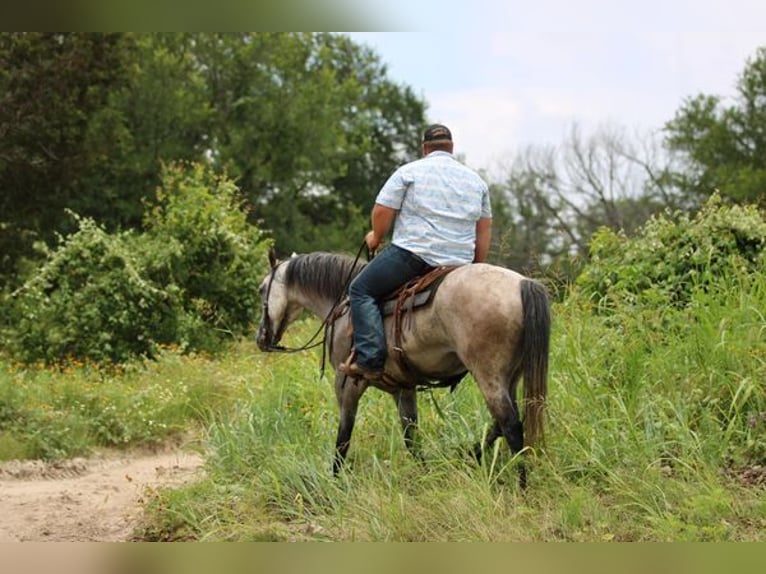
348,392
407,405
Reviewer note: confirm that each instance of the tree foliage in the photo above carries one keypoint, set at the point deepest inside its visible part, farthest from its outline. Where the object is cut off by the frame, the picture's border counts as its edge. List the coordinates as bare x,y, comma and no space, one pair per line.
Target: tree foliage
51,88
308,125
725,143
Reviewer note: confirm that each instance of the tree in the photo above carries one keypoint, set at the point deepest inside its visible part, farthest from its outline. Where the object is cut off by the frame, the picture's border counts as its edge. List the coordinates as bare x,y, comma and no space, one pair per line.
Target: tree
524,234
559,196
308,125
160,116
51,85
725,145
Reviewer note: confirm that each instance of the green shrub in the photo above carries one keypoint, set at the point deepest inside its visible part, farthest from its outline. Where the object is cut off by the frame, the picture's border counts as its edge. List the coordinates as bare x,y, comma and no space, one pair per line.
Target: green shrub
681,308
190,279
218,258
674,255
90,299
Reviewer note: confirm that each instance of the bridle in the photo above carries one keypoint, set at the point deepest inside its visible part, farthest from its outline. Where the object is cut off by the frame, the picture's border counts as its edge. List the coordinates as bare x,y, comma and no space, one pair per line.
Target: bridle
267,331
332,315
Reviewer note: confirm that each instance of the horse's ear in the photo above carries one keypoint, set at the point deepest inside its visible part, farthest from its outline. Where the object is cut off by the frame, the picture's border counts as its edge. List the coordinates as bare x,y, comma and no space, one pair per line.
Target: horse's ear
272,257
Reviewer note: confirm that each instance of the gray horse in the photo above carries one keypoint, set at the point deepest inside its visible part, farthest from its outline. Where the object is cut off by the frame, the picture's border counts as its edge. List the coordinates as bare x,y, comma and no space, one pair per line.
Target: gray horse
488,320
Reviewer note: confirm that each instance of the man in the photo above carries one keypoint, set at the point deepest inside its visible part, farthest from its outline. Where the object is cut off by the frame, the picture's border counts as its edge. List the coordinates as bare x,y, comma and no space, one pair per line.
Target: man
441,214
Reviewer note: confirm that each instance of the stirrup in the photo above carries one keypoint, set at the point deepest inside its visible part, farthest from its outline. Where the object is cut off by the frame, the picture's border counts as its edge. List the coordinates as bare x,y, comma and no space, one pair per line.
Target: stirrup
344,366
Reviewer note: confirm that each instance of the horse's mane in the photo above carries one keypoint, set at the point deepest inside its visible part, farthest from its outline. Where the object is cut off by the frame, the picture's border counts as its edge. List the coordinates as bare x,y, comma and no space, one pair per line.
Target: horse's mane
327,274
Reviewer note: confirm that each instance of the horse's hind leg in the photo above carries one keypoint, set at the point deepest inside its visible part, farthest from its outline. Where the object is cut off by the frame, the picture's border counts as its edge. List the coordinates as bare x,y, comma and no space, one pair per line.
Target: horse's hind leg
407,405
481,447
501,401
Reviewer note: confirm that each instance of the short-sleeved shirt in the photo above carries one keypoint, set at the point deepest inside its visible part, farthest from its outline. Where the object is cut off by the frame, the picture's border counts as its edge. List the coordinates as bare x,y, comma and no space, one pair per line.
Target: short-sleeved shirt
439,202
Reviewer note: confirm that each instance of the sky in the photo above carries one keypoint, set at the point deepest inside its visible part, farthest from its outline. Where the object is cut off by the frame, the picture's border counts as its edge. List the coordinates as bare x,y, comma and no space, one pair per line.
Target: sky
507,74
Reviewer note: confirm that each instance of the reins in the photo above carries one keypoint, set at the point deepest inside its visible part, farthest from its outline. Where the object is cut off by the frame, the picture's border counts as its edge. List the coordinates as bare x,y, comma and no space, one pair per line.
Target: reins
330,318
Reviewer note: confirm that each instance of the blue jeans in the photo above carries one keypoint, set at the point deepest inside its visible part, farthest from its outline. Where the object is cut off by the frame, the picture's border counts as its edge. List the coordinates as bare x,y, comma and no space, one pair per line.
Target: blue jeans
389,270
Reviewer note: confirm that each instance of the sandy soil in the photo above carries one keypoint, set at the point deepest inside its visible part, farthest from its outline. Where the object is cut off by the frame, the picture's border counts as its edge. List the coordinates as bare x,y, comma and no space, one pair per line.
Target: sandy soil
85,500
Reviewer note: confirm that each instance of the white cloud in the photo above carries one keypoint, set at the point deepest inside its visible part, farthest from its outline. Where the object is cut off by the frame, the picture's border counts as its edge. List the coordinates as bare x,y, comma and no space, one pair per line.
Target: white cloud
484,122
509,74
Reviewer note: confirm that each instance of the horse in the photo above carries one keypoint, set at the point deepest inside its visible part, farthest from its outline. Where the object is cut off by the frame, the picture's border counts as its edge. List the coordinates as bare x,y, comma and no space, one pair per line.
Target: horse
484,319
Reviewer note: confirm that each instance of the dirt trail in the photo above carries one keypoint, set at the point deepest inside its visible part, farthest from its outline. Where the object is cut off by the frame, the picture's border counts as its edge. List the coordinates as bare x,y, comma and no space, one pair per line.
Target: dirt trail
85,500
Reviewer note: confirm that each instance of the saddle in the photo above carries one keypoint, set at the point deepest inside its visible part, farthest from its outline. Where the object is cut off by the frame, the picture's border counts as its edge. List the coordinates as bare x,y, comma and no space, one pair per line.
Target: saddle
401,304
417,292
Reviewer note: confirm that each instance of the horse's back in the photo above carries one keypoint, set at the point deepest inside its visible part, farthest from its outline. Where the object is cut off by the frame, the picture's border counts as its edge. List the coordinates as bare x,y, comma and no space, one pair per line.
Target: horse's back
485,294
476,313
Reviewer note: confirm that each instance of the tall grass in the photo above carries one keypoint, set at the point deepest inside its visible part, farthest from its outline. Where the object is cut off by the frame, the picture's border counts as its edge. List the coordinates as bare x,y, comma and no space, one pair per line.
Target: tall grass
53,412
656,431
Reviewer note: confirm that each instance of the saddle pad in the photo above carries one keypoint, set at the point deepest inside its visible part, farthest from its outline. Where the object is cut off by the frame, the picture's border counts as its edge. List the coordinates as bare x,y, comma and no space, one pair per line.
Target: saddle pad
420,299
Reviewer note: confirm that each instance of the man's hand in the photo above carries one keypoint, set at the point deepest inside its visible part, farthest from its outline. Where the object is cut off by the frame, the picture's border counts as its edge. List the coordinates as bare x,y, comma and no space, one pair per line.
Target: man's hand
372,240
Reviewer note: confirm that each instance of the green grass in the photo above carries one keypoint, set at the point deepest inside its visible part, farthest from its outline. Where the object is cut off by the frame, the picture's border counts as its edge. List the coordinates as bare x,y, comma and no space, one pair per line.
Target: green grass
69,410
656,431
657,427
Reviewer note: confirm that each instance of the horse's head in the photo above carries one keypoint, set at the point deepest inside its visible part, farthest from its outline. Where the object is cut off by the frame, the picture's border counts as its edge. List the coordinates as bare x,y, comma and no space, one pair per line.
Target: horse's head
279,308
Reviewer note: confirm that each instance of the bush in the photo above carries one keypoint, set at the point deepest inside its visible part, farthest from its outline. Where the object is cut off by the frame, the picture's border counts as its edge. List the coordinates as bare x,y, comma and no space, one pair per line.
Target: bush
217,259
675,255
90,299
680,308
190,279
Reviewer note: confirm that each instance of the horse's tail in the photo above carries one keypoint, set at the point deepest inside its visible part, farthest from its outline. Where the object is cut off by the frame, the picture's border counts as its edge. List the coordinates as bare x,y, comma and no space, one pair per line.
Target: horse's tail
535,345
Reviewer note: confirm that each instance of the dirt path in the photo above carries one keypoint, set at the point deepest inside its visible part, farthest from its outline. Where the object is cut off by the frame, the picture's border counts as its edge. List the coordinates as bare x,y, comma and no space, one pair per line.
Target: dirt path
84,500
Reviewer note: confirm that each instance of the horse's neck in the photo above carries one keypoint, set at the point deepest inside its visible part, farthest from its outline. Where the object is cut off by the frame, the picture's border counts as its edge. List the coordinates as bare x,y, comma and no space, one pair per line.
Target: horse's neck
316,304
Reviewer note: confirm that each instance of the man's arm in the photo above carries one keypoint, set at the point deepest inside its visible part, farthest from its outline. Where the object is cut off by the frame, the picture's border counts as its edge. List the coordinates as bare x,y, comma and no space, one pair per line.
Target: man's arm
382,218
483,238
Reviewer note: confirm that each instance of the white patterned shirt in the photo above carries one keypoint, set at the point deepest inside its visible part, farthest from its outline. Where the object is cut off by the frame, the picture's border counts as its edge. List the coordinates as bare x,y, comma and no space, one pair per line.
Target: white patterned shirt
439,202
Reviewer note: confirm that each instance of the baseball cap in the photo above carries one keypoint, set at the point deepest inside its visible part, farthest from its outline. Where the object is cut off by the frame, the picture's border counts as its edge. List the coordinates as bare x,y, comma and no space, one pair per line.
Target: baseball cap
437,133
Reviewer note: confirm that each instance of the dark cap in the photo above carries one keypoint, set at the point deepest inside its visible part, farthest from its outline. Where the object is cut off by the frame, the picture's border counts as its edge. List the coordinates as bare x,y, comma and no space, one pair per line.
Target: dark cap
437,133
